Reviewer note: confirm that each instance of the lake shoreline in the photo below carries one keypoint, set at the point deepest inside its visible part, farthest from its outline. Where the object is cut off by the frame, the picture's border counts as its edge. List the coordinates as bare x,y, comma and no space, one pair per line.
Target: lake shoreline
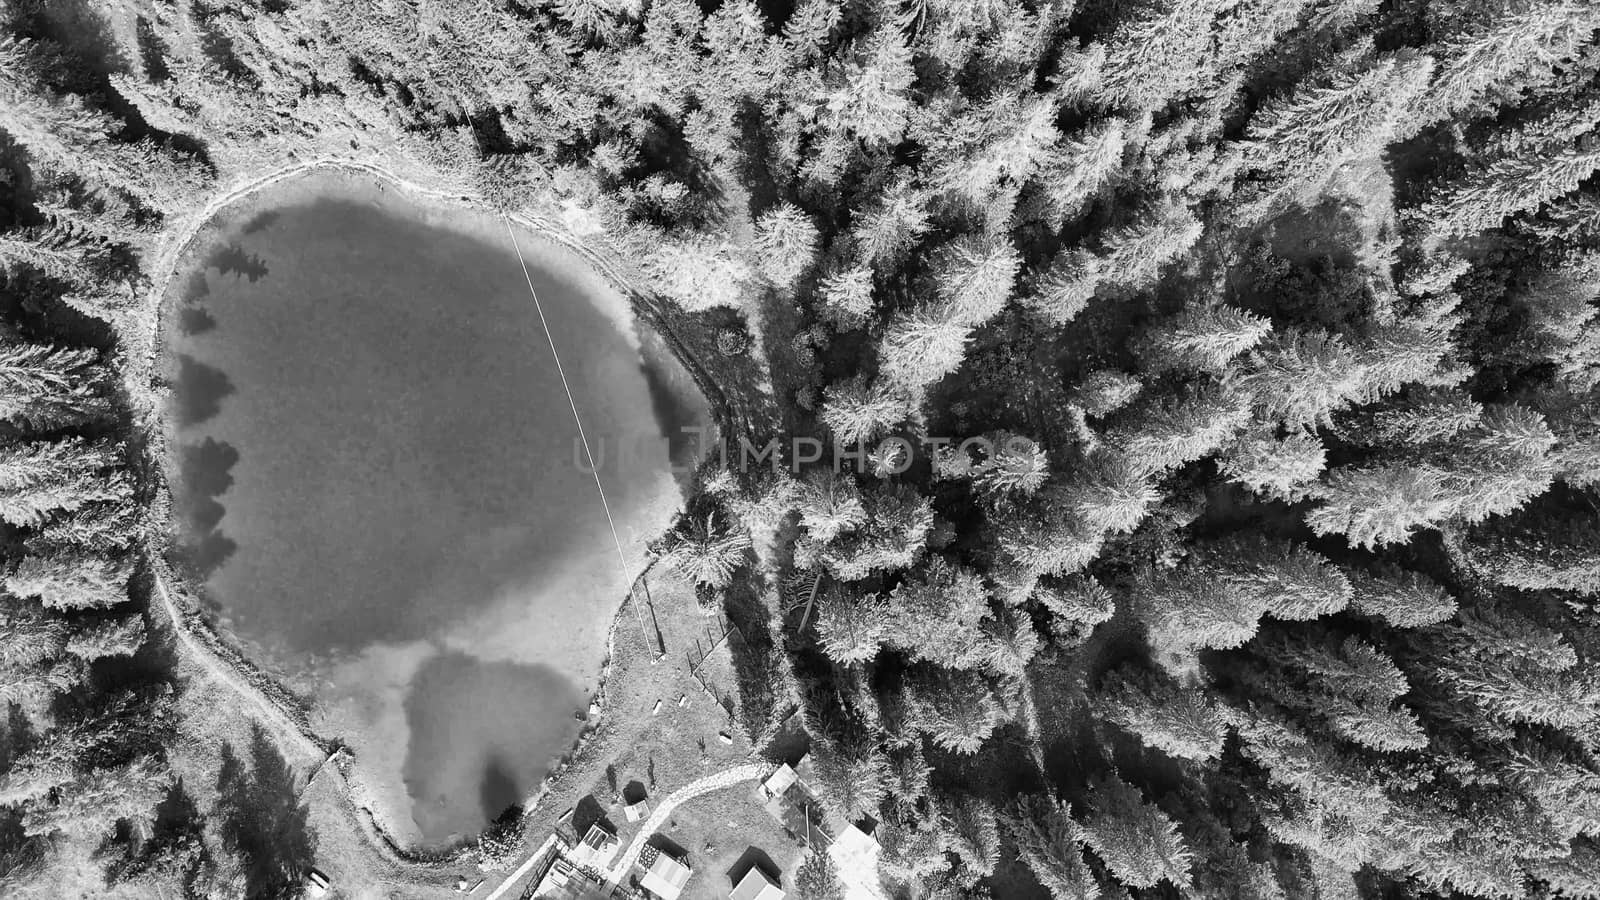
194,620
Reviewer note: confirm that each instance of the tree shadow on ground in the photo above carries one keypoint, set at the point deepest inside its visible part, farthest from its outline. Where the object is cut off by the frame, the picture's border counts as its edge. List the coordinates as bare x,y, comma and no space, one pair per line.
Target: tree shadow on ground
262,820
755,660
589,813
174,850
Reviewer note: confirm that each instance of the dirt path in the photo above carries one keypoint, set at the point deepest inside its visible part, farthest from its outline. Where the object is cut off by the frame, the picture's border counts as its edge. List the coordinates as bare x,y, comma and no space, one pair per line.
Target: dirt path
659,816
224,672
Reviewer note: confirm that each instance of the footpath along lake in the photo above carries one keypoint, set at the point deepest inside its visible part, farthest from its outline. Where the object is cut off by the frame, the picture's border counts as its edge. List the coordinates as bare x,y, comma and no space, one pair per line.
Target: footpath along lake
376,482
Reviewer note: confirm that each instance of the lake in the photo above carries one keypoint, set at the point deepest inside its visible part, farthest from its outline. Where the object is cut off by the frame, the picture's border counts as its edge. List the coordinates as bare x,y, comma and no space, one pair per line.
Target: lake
377,482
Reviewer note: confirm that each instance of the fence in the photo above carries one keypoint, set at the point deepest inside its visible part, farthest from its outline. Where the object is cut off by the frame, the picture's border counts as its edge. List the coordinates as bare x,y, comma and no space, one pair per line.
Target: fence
718,632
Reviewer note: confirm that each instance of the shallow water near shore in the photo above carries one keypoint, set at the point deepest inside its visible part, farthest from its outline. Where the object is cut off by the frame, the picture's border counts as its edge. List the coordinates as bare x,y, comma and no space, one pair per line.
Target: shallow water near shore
378,486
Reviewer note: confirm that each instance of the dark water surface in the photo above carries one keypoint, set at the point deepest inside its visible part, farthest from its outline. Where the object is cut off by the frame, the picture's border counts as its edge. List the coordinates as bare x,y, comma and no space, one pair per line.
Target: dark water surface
376,479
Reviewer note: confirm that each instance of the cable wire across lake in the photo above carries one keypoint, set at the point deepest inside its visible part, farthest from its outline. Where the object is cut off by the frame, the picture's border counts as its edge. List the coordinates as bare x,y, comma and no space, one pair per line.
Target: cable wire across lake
572,403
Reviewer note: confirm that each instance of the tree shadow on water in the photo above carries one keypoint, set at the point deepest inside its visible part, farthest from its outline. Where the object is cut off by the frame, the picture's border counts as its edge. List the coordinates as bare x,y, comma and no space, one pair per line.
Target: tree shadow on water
498,791
205,473
236,261
194,320
199,392
262,819
261,222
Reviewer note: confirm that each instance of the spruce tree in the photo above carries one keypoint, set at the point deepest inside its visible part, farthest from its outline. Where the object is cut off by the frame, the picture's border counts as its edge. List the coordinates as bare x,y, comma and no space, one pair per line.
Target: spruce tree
1138,842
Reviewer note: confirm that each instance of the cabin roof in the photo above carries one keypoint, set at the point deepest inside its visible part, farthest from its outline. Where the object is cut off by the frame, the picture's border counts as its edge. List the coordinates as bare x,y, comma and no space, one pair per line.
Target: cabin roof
755,885
663,875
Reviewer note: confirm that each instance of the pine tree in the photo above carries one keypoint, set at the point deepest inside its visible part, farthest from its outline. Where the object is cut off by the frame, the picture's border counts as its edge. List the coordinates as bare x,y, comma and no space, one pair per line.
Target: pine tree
935,613
1498,466
91,805
1136,256
1045,535
1538,554
894,534
99,527
122,636
1051,845
975,280
997,146
1066,287
1201,338
46,387
1180,722
1301,377
972,833
1190,608
1352,669
1279,468
850,628
29,635
1159,55
890,227
1384,729
1514,670
851,785
785,244
1576,875
597,17
869,98
958,711
1346,114
1085,164
38,479
857,411
706,552
921,347
1372,507
1016,466
830,505
1112,493
818,877
1174,431
1104,391
699,273
1423,417
1138,842
1519,48
1510,185
1075,602
62,252
1287,581
68,579
847,297
1403,598
1562,320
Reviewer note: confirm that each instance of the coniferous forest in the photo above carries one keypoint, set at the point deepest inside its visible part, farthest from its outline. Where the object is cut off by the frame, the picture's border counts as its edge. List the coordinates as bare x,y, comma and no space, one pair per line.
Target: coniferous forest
1272,572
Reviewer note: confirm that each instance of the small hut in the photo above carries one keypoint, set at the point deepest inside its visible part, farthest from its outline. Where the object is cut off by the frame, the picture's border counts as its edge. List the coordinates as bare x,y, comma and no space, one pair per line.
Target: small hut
755,885
661,875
